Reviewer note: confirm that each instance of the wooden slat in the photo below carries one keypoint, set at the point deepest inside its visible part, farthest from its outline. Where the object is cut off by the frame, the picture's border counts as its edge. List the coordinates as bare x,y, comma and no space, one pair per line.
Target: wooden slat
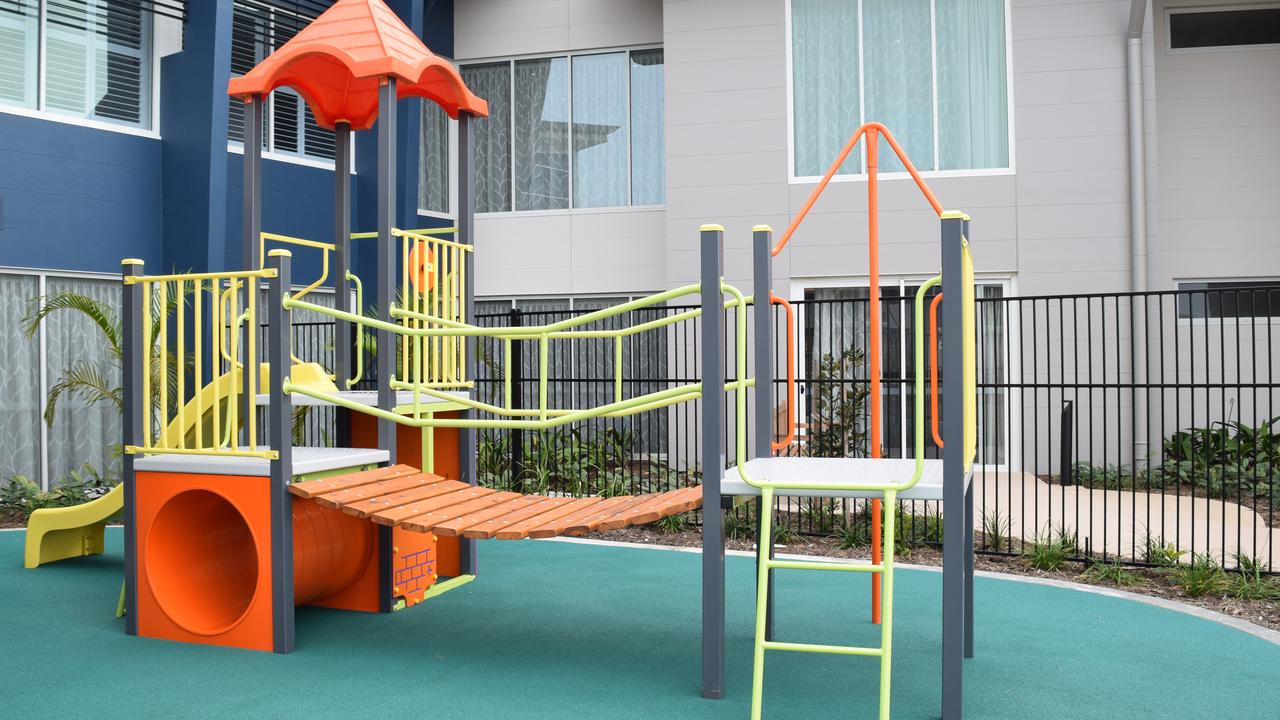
520,530
557,526
427,522
594,521
456,526
340,498
311,488
459,492
678,501
489,528
646,511
365,508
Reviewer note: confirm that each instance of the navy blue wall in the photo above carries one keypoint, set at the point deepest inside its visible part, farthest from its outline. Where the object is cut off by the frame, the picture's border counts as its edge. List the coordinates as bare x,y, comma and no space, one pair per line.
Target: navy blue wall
77,198
297,200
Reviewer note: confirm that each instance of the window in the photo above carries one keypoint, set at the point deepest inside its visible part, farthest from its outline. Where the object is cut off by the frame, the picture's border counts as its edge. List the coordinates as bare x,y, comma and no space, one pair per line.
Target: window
433,160
290,128
576,131
80,58
1224,28
1229,299
933,71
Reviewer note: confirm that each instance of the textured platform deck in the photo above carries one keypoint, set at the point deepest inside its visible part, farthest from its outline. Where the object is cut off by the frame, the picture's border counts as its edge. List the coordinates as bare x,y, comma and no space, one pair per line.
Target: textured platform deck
404,496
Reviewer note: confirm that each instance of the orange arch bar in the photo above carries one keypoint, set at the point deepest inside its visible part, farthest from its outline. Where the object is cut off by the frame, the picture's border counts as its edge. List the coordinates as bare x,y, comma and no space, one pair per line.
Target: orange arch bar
933,366
791,371
338,62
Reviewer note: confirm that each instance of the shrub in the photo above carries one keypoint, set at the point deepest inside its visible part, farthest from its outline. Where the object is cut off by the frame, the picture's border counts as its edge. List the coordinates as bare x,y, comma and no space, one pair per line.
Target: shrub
1155,551
1111,573
22,496
1200,577
997,530
1048,552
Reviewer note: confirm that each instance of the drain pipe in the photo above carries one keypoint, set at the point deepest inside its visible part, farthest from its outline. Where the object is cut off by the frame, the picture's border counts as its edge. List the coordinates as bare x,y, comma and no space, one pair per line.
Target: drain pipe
1137,149
1138,310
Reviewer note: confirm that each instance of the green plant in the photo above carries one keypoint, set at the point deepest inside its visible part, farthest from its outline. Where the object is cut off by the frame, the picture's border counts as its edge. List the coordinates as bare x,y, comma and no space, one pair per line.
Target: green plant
997,530
22,496
836,426
1111,573
854,535
673,524
738,523
1155,551
1104,477
1248,583
1200,577
1226,459
1049,552
783,531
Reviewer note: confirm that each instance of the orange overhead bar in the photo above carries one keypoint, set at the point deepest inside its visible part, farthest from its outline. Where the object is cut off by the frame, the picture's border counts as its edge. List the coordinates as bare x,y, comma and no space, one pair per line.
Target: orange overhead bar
933,367
872,132
791,371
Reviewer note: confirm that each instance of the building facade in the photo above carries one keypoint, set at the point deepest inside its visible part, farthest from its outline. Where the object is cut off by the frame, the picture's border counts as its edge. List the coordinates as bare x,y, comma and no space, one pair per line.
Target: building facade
1100,146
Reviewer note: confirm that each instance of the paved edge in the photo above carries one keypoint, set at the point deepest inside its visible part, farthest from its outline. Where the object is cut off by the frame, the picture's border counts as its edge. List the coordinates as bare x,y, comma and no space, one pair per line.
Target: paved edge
1244,626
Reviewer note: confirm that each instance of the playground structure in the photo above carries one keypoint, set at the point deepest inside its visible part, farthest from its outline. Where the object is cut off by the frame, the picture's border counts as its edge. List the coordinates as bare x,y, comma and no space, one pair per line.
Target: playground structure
228,527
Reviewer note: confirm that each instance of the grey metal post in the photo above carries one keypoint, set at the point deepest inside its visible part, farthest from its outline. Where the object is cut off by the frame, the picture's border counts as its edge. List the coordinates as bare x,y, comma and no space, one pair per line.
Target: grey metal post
386,259
386,293
762,270
131,309
251,224
712,242
342,259
280,438
954,479
467,441
968,525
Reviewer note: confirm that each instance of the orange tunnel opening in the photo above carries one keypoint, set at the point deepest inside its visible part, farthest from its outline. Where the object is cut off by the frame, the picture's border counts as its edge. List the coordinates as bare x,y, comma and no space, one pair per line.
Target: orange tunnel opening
202,558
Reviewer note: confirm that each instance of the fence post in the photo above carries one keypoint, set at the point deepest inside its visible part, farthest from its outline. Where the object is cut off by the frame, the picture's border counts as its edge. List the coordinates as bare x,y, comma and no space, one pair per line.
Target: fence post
712,244
517,393
280,438
1065,466
131,309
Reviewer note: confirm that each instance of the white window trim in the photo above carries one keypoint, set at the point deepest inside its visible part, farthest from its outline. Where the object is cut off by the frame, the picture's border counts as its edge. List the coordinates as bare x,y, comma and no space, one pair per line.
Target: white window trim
793,179
451,149
569,55
1226,322
153,112
1168,36
1008,283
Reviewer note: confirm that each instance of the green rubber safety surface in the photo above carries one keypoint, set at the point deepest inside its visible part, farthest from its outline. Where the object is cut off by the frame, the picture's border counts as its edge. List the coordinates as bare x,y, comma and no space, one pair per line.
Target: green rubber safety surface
557,630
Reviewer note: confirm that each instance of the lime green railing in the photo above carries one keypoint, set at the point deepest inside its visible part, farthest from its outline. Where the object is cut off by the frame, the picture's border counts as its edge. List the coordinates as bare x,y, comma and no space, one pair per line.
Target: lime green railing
427,326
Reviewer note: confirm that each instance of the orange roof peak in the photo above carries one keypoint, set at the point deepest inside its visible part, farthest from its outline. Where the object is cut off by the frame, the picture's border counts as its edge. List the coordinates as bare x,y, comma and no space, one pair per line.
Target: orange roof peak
338,61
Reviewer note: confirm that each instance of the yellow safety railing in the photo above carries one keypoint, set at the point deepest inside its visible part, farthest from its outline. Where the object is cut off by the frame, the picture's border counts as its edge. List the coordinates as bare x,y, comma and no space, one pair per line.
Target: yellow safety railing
426,328
207,422
326,249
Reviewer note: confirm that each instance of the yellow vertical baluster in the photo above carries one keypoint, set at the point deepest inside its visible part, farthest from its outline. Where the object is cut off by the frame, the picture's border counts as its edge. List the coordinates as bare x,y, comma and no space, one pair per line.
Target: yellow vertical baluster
251,362
163,379
146,363
233,396
198,370
215,361
406,290
181,328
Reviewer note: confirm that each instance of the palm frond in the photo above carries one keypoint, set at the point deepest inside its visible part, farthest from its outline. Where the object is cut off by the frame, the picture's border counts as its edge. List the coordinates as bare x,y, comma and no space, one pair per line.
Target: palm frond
87,382
102,315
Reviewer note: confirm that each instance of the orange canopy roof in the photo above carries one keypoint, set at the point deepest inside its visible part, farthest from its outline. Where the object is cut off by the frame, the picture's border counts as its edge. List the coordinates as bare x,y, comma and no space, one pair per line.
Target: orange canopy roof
337,62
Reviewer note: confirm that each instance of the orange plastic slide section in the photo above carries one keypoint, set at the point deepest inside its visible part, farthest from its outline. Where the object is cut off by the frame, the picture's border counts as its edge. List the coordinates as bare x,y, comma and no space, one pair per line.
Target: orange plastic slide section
204,560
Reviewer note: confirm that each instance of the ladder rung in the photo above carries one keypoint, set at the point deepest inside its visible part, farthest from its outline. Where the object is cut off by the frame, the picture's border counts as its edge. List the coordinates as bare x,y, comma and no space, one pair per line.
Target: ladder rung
833,566
832,649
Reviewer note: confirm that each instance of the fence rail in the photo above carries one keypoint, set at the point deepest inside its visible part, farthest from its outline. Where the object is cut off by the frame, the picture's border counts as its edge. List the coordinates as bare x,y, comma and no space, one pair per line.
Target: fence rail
1137,427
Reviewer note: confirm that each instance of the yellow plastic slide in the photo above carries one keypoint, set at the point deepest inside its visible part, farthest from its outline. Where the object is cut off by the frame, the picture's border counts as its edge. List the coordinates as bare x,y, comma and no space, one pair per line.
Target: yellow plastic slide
60,533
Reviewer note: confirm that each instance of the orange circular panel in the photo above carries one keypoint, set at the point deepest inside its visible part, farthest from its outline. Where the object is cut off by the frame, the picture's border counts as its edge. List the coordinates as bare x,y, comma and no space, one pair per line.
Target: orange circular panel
202,562
422,268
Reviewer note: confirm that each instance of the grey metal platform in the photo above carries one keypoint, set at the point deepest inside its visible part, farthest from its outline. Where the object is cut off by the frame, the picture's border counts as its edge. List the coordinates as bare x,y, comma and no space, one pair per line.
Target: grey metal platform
306,460
823,473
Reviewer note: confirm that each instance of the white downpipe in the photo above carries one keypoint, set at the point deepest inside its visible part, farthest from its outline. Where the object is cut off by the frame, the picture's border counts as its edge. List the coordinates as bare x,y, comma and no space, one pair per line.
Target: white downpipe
1138,228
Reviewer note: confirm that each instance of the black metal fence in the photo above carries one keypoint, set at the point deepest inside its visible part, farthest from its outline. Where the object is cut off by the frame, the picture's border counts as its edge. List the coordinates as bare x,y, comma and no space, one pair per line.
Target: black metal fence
1138,427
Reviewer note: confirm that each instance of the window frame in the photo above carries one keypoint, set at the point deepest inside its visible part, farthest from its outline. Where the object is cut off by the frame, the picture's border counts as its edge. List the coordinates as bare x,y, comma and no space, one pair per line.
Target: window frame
568,55
150,110
1206,319
1192,9
793,179
451,152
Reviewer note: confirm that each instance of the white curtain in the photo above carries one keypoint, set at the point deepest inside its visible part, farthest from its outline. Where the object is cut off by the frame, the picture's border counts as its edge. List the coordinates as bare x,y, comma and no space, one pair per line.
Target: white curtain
81,433
600,130
973,102
648,152
541,134
492,82
898,77
824,64
20,401
433,159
